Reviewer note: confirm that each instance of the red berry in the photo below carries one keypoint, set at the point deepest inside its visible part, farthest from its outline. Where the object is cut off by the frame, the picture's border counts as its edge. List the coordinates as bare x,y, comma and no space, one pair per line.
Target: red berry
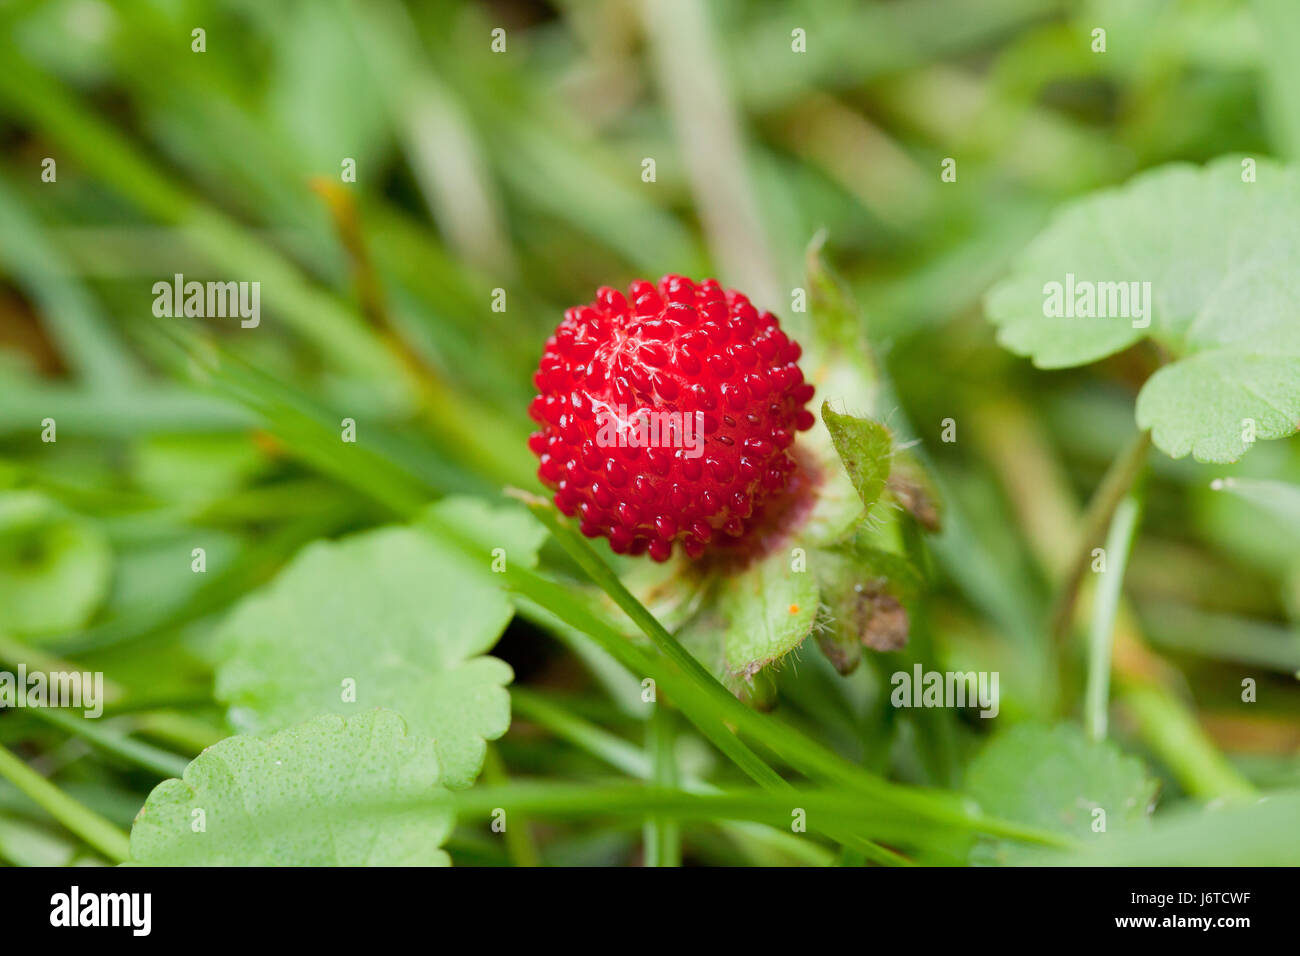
667,415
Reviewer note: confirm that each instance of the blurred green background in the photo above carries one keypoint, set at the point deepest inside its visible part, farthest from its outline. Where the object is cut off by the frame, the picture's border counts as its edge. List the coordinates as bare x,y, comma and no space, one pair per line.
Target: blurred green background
522,171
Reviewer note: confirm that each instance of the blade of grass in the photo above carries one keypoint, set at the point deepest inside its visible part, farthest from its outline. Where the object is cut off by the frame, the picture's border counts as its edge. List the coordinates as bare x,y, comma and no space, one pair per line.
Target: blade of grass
78,818
688,67
14,653
161,762
24,844
313,312
89,413
179,729
440,143
256,566
619,799
394,472
86,340
662,837
1119,543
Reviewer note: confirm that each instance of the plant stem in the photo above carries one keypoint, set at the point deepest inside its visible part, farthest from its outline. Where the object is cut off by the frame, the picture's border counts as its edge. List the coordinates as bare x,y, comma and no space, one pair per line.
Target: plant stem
77,817
1115,484
662,837
1119,542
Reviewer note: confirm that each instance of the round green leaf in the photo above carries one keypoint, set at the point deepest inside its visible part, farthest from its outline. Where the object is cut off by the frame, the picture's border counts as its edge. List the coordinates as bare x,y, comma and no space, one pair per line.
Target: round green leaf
1056,778
327,793
390,618
1217,246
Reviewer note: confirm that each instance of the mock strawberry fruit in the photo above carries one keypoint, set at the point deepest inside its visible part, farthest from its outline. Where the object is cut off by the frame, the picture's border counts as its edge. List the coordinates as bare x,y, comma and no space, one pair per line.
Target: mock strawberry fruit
668,417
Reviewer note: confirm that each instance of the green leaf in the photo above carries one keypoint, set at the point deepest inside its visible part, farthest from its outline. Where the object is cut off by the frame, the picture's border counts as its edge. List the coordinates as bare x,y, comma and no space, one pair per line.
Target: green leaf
751,619
396,615
768,609
1207,403
321,794
1055,778
864,447
866,592
1218,254
1254,833
54,566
